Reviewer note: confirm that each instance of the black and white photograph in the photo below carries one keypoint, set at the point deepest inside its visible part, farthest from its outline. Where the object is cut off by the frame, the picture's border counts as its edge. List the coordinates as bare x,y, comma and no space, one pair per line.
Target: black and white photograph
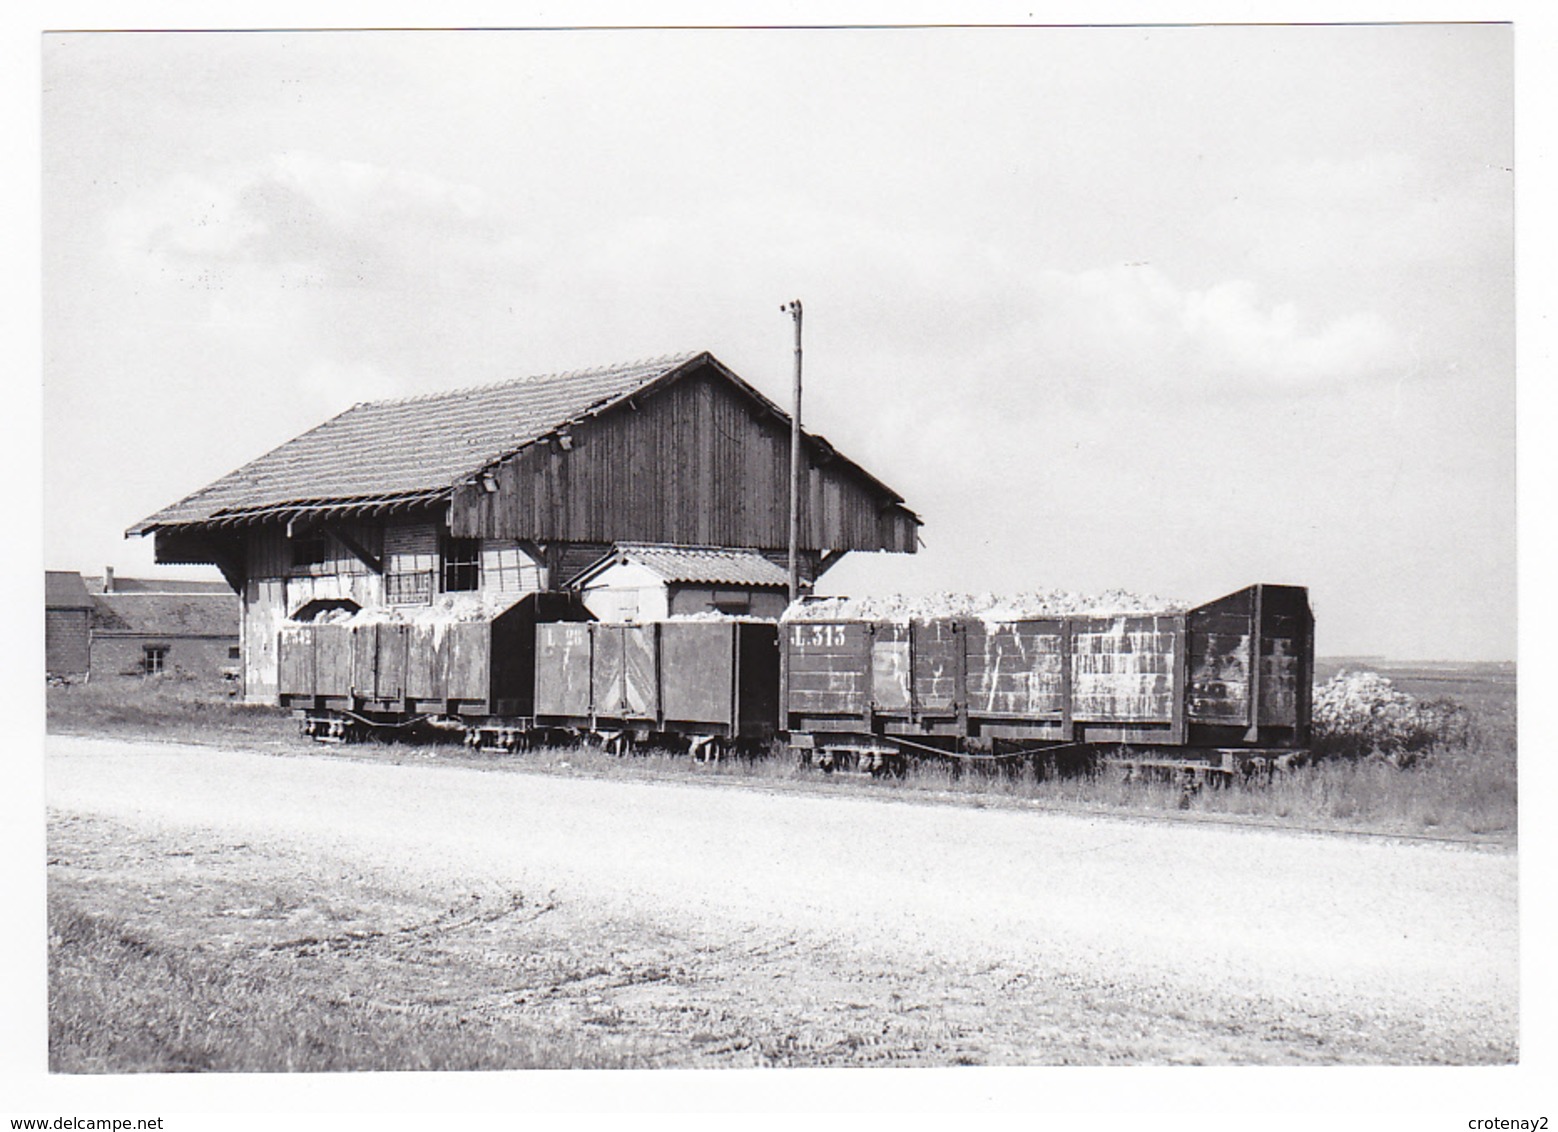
982,550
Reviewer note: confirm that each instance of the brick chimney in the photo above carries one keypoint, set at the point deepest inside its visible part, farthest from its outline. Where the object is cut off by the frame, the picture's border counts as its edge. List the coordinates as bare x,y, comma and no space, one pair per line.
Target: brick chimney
108,579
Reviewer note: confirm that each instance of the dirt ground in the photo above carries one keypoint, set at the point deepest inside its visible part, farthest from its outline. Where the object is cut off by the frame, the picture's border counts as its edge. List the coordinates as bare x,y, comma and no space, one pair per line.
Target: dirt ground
697,926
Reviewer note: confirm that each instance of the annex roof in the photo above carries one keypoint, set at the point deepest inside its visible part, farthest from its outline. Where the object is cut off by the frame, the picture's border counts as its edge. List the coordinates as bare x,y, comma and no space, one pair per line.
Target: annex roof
64,589
412,449
166,615
693,564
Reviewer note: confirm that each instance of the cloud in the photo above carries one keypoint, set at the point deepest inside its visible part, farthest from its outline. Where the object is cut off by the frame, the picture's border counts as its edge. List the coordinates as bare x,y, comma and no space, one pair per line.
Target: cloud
423,280
323,271
1134,326
1030,345
1387,212
1233,335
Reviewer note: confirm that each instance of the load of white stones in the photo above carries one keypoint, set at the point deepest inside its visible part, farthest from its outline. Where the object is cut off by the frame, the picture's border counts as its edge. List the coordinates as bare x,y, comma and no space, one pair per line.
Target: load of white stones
901,608
443,609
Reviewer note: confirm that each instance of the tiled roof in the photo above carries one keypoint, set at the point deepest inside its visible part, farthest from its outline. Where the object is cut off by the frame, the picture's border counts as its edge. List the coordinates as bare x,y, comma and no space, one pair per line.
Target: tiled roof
63,589
413,446
171,615
708,564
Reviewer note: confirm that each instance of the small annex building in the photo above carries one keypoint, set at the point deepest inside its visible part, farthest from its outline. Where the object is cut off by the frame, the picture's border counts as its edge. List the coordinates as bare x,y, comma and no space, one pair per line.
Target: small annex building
648,582
514,488
67,624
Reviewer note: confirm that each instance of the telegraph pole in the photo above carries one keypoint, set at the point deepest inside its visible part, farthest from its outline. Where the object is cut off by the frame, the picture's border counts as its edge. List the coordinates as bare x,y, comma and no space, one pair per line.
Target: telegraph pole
794,308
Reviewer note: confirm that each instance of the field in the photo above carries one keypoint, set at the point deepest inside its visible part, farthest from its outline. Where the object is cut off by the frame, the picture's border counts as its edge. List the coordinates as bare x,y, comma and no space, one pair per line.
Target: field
1488,689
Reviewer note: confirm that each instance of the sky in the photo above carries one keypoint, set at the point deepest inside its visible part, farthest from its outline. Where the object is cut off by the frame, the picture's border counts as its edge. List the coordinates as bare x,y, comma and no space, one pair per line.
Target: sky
1168,309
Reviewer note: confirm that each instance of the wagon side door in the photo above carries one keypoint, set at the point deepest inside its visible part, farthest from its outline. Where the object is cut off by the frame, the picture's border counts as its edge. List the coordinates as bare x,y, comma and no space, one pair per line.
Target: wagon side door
626,677
563,670
890,668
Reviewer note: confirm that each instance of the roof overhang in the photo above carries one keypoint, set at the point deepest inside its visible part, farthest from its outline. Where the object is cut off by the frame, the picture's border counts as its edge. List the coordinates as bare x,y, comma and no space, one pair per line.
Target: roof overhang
319,510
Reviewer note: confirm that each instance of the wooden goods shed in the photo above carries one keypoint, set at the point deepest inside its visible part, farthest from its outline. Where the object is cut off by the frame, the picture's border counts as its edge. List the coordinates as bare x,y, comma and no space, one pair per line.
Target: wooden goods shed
514,488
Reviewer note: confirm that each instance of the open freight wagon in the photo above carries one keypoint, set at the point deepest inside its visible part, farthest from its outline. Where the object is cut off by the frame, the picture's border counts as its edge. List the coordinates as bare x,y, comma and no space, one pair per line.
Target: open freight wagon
405,666
1223,687
714,684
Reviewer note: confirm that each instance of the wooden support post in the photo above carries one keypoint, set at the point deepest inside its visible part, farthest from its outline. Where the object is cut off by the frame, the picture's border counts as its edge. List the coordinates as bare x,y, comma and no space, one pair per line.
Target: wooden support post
1252,735
231,566
828,561
356,549
540,556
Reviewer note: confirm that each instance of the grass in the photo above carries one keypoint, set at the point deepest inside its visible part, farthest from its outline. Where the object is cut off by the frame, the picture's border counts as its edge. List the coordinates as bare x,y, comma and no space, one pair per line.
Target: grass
162,707
1467,790
121,1002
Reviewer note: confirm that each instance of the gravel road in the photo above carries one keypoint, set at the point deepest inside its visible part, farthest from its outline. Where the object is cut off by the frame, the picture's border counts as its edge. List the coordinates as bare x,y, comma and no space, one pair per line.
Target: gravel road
1419,937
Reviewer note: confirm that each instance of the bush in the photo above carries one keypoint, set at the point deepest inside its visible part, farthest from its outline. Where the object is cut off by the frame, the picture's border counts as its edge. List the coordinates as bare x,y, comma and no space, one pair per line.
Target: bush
1361,714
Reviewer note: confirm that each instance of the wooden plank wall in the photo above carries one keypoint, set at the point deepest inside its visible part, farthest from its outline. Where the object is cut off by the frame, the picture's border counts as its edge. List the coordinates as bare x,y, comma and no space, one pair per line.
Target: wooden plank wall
696,464
1122,669
828,667
1016,668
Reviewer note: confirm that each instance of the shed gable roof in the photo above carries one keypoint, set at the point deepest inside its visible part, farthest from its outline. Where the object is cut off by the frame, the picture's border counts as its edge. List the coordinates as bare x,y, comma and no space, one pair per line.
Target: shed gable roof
413,448
709,565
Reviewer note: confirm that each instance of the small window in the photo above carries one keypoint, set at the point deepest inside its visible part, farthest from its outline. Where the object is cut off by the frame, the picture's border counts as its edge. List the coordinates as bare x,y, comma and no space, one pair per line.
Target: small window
462,564
154,659
309,550
232,652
